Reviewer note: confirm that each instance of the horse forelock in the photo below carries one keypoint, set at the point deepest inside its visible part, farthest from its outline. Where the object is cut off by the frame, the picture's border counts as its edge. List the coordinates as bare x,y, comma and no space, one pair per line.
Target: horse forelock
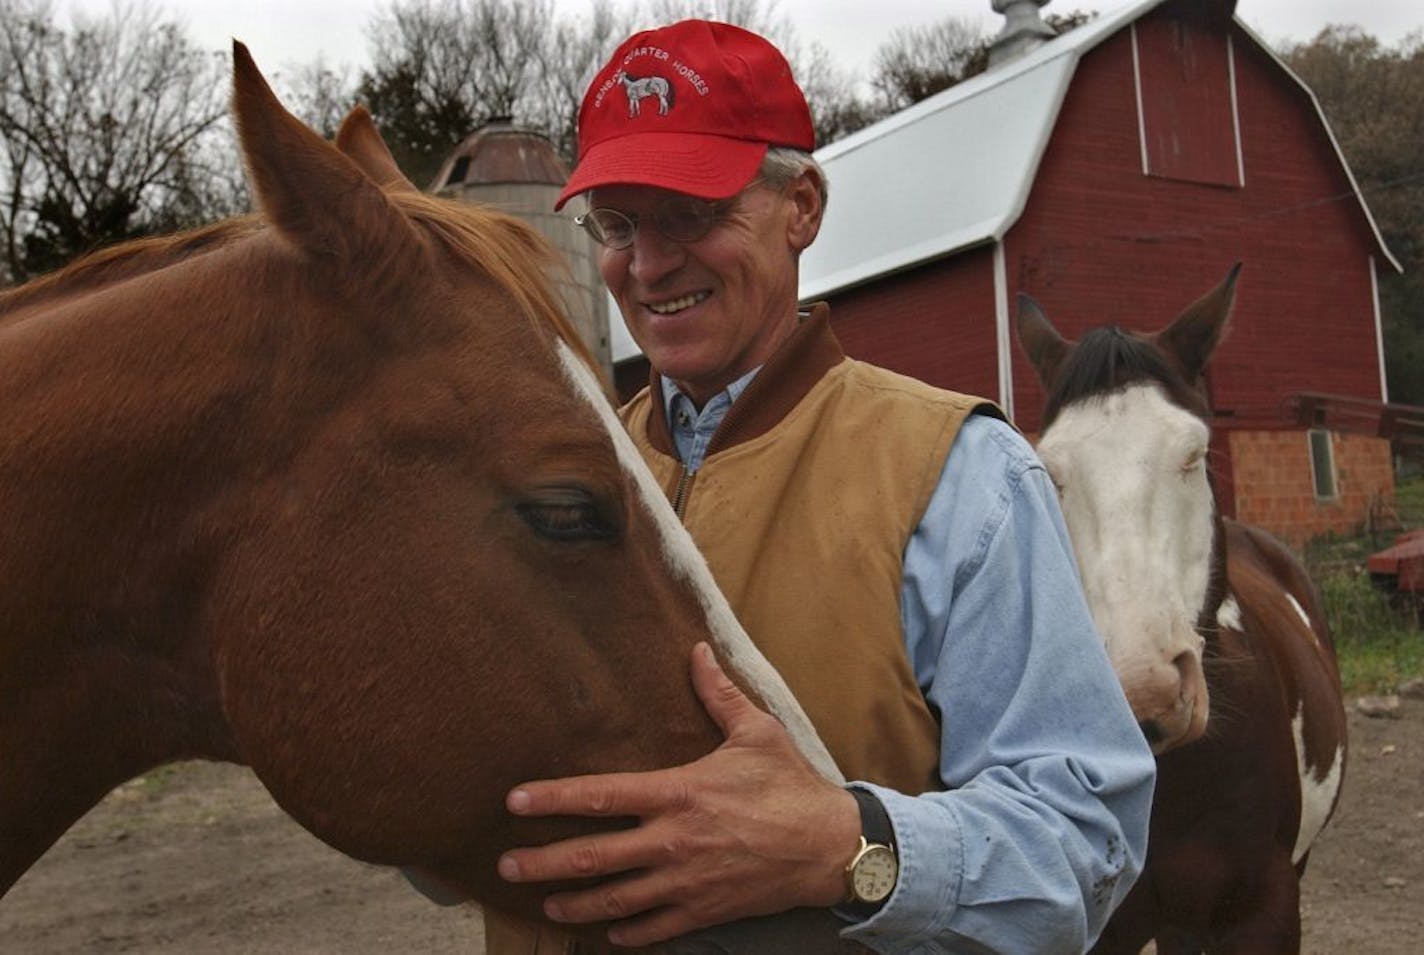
1107,360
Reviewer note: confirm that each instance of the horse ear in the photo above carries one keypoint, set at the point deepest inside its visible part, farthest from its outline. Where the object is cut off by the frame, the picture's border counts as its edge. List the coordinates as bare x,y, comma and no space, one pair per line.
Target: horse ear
1040,341
319,199
1195,333
359,139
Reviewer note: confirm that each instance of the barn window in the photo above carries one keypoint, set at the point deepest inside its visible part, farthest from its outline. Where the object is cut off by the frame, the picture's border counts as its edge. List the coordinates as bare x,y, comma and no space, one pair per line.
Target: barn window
1322,465
1186,101
458,171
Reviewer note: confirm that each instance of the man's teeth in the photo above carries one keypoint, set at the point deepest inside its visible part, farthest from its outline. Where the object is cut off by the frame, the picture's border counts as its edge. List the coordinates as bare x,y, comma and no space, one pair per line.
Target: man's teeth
677,304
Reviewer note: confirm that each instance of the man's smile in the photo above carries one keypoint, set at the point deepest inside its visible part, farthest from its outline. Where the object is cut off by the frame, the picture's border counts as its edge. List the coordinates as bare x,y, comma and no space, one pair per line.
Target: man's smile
676,305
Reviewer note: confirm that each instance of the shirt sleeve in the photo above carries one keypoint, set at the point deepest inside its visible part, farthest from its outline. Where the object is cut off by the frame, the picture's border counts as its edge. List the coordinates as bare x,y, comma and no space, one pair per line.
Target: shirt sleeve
1043,827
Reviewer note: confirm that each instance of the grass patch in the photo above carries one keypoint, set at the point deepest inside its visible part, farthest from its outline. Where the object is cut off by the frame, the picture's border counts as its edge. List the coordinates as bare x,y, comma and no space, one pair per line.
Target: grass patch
1409,501
1378,646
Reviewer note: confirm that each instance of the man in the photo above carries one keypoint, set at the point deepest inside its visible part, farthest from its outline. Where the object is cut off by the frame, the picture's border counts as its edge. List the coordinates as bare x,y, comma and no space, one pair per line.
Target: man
894,549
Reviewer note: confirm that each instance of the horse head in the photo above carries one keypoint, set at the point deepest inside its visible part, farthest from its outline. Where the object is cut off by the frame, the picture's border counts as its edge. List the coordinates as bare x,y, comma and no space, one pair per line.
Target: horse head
1125,436
333,492
478,548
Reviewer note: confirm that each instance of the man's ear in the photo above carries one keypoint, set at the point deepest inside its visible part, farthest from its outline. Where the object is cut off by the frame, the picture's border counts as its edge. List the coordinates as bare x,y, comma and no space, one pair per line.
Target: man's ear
807,209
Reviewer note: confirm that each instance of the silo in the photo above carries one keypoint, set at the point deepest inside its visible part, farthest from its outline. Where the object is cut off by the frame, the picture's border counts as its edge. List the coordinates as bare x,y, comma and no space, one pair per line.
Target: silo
516,170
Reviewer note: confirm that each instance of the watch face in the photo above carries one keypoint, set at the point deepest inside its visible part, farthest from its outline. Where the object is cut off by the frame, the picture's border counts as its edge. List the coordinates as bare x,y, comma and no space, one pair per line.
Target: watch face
874,875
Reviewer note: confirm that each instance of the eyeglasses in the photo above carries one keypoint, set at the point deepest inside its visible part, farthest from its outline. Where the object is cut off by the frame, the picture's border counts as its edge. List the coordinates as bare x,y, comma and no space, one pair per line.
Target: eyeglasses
679,218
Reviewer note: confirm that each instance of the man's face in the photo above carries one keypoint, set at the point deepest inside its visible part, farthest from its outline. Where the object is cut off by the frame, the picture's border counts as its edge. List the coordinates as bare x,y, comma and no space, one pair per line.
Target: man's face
707,312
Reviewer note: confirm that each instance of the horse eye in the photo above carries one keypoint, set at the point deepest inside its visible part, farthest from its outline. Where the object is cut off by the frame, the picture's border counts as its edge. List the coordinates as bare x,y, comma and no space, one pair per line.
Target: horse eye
565,516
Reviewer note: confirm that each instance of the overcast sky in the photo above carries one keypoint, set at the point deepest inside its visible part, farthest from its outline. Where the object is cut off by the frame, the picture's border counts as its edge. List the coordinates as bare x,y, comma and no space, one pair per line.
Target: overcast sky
285,32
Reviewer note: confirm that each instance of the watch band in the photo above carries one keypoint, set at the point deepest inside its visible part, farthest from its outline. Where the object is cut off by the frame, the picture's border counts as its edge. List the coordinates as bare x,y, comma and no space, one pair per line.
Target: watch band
874,820
875,828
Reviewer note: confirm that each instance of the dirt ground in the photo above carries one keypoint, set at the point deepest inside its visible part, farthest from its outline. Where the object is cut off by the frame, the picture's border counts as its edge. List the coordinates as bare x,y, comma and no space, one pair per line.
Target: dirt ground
196,859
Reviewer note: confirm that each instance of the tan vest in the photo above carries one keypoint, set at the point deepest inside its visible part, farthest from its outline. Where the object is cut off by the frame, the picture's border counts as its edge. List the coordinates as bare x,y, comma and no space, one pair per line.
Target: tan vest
803,507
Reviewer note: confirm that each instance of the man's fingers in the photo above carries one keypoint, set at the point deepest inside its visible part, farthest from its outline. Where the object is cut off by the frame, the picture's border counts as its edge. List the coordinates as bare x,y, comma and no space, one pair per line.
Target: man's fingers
615,901
724,701
612,794
659,925
644,911
583,857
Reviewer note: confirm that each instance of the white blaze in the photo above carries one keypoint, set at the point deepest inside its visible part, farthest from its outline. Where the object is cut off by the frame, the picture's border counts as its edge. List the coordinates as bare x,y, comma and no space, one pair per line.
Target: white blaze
684,559
1131,472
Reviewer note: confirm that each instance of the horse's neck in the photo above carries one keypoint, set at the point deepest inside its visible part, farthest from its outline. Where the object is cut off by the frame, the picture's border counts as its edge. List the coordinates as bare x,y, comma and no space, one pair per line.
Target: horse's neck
102,555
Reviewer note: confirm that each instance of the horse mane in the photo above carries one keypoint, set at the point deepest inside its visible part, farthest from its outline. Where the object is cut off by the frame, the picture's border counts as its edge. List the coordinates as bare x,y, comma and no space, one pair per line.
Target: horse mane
126,260
1105,360
513,254
510,251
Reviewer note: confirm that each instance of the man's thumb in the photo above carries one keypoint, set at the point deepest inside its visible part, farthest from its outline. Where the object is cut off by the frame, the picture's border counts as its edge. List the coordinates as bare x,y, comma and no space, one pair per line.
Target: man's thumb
724,701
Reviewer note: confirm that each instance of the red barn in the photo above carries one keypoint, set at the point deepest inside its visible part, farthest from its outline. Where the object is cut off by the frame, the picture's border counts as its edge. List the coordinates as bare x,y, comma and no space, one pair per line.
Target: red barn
1115,174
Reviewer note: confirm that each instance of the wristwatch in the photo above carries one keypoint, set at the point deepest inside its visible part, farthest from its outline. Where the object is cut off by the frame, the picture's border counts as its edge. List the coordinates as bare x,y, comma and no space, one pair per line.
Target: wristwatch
874,869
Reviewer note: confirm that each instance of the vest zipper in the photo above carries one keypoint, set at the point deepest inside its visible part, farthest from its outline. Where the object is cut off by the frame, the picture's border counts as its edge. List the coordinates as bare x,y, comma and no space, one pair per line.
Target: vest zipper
679,497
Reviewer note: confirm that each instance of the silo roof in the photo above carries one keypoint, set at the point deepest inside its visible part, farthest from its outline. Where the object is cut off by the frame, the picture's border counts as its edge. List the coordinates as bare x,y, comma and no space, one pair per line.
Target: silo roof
500,152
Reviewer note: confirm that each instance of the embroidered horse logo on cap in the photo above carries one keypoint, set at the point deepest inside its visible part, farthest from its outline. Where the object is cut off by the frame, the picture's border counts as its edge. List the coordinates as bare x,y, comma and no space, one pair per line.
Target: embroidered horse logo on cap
638,88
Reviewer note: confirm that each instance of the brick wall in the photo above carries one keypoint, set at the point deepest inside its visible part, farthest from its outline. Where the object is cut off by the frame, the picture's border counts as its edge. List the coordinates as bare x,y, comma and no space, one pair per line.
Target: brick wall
1274,487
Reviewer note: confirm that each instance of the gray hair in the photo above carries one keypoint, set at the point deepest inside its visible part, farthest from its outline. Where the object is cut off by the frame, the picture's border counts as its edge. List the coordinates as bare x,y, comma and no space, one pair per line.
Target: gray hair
783,164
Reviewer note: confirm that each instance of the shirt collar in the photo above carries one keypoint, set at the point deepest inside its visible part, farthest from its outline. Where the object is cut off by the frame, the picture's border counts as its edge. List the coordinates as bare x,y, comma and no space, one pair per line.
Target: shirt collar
671,392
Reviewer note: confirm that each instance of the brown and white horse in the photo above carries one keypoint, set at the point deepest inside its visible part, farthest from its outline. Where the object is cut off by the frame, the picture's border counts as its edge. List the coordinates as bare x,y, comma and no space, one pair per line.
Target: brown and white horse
1214,628
331,492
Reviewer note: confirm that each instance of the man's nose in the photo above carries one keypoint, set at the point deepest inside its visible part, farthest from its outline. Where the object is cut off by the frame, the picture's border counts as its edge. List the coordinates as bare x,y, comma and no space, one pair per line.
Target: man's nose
654,255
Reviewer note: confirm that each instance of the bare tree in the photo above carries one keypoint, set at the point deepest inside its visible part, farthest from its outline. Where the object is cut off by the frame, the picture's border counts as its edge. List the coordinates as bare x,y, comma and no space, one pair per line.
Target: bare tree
442,67
569,58
837,106
103,126
317,93
917,62
749,14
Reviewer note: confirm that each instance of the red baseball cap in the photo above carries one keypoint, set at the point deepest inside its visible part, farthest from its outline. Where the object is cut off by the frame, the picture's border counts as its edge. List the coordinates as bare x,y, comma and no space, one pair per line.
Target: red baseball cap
690,107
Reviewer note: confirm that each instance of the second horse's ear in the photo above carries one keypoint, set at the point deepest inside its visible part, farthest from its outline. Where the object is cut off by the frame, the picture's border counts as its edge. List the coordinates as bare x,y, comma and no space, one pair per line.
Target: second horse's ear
1041,342
359,139
1194,334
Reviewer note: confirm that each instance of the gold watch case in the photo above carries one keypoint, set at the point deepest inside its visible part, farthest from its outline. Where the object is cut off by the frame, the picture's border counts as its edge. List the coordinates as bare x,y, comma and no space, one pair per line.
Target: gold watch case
872,872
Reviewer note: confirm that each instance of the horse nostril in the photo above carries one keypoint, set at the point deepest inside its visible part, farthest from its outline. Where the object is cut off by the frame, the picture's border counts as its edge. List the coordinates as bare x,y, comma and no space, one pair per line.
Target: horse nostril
1188,674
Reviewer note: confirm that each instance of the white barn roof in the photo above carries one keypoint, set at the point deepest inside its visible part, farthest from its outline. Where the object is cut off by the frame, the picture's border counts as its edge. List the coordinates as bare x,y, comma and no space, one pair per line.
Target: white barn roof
955,170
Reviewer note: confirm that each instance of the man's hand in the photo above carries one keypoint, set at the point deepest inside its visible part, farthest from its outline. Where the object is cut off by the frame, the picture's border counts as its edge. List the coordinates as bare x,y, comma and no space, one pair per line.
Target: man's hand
749,829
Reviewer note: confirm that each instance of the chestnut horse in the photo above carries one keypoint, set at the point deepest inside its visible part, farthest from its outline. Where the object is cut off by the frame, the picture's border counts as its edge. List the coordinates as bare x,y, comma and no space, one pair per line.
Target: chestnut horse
331,492
1214,628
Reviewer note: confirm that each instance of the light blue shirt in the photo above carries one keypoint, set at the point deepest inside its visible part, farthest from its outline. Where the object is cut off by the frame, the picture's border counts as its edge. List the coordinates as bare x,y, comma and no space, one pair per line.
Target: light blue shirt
1043,828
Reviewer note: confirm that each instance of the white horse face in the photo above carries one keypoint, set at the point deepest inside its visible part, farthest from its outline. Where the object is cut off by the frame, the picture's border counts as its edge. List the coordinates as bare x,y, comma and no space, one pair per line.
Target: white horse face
1131,471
